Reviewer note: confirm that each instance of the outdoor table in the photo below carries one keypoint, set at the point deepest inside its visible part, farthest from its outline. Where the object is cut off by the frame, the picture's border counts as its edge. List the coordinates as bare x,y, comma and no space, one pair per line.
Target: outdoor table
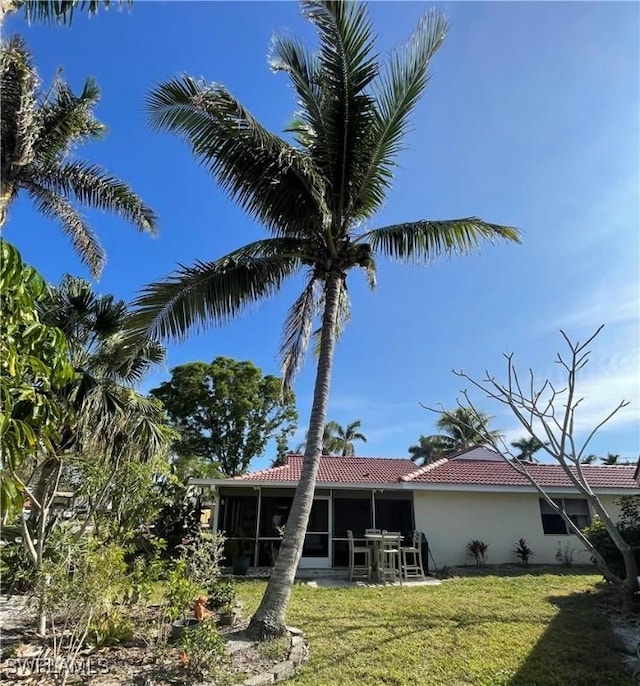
376,540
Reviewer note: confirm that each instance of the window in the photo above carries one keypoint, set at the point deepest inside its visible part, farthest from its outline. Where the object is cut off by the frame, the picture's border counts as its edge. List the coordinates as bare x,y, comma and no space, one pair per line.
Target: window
553,523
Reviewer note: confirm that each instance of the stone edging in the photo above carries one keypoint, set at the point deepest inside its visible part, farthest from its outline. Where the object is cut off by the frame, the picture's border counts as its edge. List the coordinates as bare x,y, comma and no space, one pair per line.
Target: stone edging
298,655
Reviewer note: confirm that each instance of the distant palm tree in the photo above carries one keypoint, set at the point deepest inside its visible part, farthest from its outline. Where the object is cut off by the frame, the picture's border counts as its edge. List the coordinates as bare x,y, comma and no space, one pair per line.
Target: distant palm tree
462,428
610,459
315,193
343,437
589,459
527,447
38,133
430,449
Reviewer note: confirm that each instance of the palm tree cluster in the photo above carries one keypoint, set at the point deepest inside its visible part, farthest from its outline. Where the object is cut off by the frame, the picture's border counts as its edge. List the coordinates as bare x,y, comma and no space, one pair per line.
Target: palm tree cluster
38,130
315,190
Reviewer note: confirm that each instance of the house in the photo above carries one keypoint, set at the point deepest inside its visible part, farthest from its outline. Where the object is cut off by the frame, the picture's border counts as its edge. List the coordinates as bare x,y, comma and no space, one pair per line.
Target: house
474,494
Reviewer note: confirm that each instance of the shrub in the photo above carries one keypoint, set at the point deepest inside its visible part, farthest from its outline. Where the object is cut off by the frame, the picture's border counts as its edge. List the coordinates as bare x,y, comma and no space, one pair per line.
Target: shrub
564,554
523,552
478,549
202,554
629,528
180,591
203,654
17,574
110,628
223,596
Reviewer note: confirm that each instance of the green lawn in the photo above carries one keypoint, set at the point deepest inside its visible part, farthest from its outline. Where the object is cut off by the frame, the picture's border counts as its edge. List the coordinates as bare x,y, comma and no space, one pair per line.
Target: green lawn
536,629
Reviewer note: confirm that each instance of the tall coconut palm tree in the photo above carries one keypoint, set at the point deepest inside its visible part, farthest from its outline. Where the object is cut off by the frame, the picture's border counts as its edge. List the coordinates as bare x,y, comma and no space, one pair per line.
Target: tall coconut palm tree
344,436
314,192
38,132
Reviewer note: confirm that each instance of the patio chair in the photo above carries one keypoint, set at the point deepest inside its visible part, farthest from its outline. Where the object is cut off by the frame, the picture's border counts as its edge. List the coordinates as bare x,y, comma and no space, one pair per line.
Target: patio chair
359,550
389,568
411,558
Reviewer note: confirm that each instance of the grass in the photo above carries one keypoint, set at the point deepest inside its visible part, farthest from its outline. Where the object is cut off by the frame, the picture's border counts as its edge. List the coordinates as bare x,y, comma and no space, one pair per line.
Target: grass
522,628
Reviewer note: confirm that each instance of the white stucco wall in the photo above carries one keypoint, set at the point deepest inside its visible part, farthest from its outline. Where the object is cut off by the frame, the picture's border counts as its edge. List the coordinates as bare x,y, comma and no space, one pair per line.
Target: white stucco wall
451,519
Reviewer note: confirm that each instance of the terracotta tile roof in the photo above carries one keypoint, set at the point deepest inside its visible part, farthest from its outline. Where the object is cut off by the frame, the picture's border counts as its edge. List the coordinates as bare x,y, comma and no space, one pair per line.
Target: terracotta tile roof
451,471
353,470
493,473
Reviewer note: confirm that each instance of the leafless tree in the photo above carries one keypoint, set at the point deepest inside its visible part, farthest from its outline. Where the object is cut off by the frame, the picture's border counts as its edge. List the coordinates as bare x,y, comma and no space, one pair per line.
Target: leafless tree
548,414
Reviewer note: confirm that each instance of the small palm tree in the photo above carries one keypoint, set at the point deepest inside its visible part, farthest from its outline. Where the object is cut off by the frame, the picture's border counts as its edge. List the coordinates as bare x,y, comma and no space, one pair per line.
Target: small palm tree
347,435
461,428
314,192
38,131
466,427
527,448
611,459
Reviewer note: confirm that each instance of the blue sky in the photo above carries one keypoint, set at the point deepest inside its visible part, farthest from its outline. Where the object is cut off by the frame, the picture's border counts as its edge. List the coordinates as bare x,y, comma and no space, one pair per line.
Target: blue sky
530,119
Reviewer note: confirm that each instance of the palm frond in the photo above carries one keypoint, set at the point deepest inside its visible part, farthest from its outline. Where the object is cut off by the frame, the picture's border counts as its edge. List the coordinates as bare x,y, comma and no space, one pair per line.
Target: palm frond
84,240
67,119
397,93
346,67
93,186
61,11
303,68
297,332
207,293
272,181
424,241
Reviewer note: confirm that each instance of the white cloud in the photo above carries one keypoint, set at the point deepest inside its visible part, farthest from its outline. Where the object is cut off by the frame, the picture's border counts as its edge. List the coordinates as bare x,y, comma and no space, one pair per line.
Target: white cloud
607,303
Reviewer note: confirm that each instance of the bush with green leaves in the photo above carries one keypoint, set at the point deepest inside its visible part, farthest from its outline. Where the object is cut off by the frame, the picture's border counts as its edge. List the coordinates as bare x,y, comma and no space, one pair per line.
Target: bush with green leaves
33,364
74,592
223,596
17,574
204,655
180,591
523,552
202,554
478,550
110,628
629,527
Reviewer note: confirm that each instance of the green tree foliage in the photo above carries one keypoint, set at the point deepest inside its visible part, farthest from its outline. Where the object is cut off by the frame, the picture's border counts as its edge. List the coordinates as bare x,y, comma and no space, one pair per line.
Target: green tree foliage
226,411
39,130
34,364
315,191
461,428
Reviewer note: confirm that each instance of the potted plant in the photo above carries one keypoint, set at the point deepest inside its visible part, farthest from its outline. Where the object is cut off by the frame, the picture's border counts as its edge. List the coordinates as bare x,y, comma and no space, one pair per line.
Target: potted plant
223,599
180,595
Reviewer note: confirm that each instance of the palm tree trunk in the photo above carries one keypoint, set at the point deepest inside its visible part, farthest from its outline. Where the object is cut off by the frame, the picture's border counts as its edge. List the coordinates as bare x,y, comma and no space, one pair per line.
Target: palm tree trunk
269,619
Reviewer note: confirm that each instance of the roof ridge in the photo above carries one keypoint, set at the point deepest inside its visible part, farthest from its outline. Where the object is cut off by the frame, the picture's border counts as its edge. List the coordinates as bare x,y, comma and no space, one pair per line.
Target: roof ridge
241,477
425,468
